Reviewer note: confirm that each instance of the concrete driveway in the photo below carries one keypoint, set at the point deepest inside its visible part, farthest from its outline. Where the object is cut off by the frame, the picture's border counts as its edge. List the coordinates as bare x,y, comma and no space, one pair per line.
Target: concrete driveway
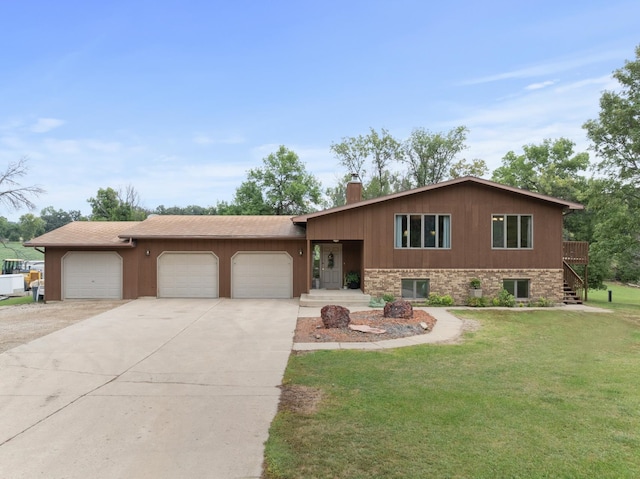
157,388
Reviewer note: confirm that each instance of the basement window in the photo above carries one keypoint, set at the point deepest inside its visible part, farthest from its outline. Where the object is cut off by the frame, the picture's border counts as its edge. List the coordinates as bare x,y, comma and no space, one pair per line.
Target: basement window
415,288
519,288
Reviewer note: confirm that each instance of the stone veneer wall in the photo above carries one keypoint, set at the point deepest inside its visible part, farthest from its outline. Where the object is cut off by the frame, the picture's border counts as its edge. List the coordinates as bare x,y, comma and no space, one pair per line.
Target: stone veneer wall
544,283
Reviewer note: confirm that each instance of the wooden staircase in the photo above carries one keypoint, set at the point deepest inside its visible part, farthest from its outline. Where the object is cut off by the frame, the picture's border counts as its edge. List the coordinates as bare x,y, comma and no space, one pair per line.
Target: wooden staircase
570,296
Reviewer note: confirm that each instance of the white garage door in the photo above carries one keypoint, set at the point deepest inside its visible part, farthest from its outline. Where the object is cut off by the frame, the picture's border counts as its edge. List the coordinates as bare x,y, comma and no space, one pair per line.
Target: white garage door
92,275
188,275
262,275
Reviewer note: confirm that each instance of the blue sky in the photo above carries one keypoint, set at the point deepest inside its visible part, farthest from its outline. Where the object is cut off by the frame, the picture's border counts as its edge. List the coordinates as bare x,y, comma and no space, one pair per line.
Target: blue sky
181,98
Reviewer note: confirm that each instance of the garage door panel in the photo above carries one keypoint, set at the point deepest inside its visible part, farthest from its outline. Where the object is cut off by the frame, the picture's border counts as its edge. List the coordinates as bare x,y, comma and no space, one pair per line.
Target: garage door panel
187,275
262,275
92,275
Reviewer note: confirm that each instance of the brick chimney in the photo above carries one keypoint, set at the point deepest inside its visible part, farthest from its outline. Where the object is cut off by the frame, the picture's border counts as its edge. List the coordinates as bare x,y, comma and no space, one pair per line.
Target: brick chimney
354,189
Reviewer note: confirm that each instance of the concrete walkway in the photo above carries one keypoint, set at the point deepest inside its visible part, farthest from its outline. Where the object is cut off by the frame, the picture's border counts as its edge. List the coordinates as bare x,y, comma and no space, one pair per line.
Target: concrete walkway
157,388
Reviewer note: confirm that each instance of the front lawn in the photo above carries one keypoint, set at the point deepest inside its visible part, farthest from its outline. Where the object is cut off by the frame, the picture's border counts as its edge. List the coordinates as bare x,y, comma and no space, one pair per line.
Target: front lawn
531,394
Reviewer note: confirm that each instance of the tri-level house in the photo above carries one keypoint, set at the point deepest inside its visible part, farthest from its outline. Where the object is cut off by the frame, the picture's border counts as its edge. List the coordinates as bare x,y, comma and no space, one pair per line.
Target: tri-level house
430,239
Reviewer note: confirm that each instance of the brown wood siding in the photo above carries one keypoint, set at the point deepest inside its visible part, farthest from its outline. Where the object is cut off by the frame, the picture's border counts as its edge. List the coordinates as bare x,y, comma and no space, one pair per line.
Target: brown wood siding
53,271
140,273
224,250
470,207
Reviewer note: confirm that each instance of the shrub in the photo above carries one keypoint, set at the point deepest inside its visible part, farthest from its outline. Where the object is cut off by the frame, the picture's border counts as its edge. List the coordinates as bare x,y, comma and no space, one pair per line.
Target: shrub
388,298
377,303
542,303
437,300
477,302
504,298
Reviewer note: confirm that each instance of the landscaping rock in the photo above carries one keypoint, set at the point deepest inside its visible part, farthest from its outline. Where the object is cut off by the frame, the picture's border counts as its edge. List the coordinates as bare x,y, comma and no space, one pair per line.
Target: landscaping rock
398,309
335,316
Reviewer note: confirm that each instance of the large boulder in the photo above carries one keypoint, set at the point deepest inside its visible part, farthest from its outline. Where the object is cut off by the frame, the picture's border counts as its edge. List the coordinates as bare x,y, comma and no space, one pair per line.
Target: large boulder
398,309
335,316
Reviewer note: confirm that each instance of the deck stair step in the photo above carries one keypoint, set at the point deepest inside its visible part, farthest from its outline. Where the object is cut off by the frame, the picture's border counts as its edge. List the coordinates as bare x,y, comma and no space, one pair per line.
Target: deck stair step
341,297
570,296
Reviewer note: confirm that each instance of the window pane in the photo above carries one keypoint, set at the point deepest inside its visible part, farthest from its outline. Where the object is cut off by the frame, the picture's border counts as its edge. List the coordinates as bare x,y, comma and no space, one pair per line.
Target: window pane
512,231
525,231
509,285
422,289
498,231
415,230
444,228
401,231
523,289
407,288
429,231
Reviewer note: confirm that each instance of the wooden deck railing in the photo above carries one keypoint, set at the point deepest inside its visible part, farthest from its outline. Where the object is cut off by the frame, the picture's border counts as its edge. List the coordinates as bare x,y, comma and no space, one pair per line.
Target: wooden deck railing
575,252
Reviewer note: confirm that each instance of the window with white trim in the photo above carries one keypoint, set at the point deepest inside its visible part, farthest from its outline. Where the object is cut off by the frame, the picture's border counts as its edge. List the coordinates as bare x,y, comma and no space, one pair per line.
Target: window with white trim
423,231
519,288
512,231
415,288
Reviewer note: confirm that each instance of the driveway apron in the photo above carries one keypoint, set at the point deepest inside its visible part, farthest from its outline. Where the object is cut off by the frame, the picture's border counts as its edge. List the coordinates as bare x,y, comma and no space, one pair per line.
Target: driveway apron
157,388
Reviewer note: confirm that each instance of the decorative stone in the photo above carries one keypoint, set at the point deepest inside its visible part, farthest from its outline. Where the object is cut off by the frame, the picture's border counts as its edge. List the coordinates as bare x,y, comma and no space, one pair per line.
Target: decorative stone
424,326
363,328
335,316
398,309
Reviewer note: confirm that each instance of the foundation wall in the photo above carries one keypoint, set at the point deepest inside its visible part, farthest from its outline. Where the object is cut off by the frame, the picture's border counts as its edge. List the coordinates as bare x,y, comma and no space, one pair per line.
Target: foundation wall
544,283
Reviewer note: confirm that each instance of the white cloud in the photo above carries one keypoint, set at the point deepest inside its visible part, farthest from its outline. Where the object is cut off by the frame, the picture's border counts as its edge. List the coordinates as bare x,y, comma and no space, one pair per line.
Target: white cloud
552,112
43,125
550,68
541,85
205,139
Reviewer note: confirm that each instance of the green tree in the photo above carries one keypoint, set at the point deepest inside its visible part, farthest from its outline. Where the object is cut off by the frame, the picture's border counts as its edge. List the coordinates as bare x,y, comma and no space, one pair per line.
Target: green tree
281,186
31,226
116,205
248,200
185,210
615,138
550,168
475,167
615,135
371,158
429,156
56,218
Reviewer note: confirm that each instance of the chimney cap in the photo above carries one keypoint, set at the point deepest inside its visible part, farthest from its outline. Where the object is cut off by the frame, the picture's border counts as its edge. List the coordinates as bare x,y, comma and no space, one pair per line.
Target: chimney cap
355,178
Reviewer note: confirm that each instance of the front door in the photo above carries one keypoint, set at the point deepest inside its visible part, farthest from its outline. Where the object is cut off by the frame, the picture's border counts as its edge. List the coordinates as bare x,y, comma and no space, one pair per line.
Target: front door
331,266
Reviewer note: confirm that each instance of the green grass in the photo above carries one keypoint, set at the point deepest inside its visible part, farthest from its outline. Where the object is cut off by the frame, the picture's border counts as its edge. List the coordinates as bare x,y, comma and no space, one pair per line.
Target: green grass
17,300
532,394
14,249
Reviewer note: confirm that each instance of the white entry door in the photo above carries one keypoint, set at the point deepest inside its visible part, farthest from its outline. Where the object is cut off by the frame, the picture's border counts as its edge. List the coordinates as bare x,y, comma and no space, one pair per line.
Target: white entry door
331,266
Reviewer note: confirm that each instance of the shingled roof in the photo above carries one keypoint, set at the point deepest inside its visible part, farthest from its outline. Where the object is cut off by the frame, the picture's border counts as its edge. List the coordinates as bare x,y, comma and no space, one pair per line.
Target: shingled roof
466,179
86,234
169,226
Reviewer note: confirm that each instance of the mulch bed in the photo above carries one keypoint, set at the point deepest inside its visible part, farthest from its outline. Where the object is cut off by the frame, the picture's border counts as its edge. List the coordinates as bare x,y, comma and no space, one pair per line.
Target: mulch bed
311,330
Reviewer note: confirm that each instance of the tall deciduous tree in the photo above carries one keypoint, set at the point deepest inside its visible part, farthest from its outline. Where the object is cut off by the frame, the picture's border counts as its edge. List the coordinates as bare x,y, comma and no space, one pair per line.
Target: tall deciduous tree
550,168
31,226
615,135
12,194
56,218
116,205
282,186
371,157
429,156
